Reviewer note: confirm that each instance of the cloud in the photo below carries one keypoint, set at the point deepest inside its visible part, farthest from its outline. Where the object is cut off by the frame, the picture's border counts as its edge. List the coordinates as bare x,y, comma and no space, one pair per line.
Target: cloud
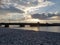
28,5
41,0
40,5
31,5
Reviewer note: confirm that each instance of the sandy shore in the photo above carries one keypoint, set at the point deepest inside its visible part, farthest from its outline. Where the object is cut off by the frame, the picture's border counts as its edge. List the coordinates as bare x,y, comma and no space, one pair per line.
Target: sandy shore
25,37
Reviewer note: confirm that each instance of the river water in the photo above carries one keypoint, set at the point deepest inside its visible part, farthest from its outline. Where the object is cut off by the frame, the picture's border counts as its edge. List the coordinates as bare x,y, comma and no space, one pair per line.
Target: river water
40,28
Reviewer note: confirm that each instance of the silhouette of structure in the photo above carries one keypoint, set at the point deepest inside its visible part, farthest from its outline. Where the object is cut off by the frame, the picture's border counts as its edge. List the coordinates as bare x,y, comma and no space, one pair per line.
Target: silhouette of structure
31,24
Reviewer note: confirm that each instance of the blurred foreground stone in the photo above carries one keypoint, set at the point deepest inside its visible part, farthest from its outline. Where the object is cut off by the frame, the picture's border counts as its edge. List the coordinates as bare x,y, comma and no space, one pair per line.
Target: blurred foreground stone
25,37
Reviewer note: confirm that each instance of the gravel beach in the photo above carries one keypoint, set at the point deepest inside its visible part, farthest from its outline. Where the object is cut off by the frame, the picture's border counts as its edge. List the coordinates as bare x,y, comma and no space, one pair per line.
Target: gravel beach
24,37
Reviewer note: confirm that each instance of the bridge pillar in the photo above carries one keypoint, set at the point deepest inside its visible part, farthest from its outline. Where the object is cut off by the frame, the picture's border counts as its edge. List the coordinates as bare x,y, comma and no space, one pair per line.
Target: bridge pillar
0,25
22,25
6,25
33,25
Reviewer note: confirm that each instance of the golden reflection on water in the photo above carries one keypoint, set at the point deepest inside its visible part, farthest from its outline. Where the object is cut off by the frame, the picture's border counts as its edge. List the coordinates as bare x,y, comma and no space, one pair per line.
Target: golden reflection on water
45,28
25,28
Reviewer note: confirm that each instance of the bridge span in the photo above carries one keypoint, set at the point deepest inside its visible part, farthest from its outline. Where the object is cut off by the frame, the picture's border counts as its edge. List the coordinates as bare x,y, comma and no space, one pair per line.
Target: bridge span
30,24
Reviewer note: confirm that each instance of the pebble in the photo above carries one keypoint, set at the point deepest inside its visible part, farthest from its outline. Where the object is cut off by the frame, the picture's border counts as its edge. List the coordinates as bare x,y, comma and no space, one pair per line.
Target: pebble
24,37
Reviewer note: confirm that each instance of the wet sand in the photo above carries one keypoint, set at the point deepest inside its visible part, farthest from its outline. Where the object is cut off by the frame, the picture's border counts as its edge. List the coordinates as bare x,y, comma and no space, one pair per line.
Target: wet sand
24,37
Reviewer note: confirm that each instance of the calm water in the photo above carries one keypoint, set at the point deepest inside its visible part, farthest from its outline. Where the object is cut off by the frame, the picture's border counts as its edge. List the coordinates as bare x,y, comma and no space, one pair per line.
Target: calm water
45,28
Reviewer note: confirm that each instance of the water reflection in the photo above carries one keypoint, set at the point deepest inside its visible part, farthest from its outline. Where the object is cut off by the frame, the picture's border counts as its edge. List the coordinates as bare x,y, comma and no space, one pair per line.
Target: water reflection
44,28
50,28
26,27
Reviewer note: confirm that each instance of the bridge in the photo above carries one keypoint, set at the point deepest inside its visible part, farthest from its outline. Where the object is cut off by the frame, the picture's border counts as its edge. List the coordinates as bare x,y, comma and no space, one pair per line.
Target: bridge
31,24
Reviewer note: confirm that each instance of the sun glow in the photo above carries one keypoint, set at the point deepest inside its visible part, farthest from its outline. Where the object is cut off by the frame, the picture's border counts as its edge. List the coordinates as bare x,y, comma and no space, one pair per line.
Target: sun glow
32,20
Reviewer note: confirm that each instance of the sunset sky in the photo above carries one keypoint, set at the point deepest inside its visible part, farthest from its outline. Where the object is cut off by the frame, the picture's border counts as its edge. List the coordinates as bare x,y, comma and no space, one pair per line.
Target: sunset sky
53,6
32,6
25,8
